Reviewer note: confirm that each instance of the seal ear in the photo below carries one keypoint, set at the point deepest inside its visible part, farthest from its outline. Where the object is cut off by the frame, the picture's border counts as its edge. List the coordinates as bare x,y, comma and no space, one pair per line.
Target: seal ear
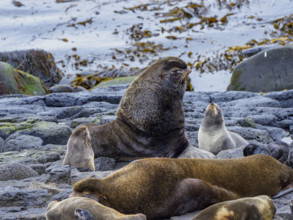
87,185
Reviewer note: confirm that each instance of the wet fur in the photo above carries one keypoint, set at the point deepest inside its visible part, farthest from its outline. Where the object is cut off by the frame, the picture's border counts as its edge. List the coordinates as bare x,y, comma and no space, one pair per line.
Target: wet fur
165,187
250,208
213,135
150,120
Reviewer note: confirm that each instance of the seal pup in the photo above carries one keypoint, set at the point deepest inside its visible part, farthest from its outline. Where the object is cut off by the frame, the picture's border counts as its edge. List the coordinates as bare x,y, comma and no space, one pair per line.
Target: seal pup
249,208
149,123
165,187
213,135
85,208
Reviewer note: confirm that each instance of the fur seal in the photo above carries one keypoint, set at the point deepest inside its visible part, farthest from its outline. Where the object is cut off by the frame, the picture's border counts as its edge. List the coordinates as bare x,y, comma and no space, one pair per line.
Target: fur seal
85,208
249,208
149,123
165,187
213,135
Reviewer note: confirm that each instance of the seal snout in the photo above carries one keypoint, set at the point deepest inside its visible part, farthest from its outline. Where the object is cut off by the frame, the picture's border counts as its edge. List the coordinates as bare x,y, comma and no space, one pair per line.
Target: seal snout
185,73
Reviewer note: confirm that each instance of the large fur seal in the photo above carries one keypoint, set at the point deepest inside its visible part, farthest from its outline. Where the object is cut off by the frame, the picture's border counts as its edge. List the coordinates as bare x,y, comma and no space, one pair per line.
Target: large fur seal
79,207
249,208
165,187
213,135
150,120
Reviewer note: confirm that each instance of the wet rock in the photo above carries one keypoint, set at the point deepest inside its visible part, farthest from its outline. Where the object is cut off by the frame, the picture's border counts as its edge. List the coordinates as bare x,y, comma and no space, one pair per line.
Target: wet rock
13,81
266,71
104,163
16,171
12,196
65,88
35,62
17,142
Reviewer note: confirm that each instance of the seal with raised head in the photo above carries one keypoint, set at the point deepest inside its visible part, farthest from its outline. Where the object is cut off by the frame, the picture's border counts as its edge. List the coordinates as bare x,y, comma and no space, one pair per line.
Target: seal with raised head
149,123
85,208
165,187
213,135
249,208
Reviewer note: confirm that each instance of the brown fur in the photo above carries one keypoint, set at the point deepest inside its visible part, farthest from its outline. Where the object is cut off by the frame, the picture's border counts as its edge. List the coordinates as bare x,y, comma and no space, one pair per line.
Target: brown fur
249,208
65,210
165,187
150,120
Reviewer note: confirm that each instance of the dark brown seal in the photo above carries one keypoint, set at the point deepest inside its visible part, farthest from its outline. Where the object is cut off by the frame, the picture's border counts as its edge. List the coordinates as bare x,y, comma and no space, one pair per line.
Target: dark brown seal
150,120
249,208
85,208
165,187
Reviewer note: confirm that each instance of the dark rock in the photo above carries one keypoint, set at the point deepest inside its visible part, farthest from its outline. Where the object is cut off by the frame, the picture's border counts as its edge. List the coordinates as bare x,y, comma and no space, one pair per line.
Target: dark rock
16,171
104,163
279,150
1,144
17,142
36,62
19,82
39,168
290,159
266,71
252,149
18,213
50,157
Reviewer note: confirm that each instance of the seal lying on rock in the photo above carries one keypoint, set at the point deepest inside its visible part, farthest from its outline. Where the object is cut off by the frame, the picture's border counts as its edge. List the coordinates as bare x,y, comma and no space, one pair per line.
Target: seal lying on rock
85,208
249,208
213,135
165,187
149,123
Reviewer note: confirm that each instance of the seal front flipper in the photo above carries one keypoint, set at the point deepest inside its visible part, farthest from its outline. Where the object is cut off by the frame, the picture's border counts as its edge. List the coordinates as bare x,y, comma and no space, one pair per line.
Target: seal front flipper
196,194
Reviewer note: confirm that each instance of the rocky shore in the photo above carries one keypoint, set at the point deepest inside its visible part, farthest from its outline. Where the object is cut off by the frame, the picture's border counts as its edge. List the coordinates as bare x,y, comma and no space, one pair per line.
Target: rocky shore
34,131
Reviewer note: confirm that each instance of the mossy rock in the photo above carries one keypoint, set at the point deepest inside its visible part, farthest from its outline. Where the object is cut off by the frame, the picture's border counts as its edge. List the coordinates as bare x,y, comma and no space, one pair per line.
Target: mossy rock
117,81
13,81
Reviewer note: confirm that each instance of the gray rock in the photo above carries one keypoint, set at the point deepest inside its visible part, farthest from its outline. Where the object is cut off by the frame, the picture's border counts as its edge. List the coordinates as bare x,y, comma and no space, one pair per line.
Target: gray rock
50,132
252,134
104,163
266,71
1,144
18,213
16,171
58,174
193,152
231,153
77,175
17,142
65,88
27,197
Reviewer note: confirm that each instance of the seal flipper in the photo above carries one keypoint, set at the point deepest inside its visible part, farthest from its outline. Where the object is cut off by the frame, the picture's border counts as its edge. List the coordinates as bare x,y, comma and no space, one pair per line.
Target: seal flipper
196,194
284,191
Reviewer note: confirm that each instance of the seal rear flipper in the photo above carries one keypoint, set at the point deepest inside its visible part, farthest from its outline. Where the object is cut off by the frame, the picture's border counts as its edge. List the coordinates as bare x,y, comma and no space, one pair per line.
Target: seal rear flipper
284,191
195,194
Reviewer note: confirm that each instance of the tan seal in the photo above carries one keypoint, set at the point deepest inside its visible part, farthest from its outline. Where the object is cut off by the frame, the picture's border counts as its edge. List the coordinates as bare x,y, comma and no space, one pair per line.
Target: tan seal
149,123
165,187
250,208
213,135
82,207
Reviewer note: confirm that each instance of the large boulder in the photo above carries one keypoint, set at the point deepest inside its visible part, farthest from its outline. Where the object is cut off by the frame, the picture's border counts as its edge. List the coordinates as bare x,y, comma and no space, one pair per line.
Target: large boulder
266,71
35,62
14,81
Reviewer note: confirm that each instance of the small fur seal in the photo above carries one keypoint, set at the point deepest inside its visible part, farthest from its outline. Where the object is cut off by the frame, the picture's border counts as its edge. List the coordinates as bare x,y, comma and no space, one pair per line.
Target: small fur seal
85,208
249,208
165,187
213,135
149,123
